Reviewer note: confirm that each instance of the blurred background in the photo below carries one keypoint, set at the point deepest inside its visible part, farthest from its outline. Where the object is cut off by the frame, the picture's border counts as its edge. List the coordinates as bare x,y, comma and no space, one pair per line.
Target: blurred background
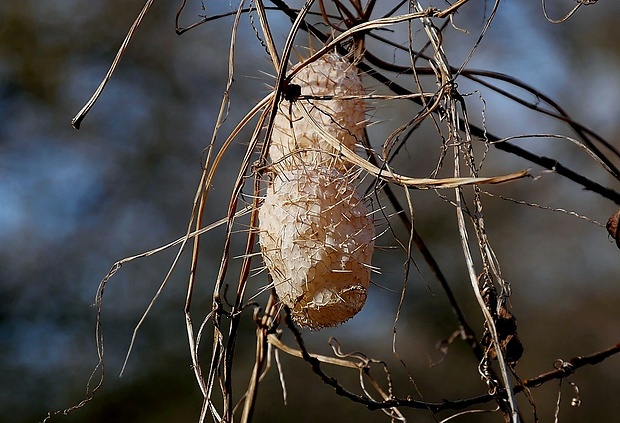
74,202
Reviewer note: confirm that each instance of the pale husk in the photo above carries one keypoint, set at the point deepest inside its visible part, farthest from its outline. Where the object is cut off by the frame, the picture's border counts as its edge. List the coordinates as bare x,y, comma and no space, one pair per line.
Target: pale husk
336,105
317,240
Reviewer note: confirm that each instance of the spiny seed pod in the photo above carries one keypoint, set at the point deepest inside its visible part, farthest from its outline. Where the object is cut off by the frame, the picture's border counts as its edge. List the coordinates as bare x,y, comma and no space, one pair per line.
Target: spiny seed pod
316,237
332,78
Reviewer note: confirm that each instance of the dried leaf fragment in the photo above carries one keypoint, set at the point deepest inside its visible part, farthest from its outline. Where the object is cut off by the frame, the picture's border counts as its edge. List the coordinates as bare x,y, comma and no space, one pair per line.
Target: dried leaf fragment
612,227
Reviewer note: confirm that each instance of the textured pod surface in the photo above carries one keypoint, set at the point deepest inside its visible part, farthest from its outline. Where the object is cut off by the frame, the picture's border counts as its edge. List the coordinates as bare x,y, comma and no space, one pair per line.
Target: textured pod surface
316,238
332,77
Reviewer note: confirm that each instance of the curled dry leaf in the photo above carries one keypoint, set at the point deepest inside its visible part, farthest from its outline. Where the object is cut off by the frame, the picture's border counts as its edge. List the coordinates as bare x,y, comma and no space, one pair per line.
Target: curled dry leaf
506,327
613,227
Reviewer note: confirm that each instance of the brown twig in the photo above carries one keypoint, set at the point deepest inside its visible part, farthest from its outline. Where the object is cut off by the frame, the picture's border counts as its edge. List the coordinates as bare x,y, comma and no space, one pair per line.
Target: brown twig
567,368
563,370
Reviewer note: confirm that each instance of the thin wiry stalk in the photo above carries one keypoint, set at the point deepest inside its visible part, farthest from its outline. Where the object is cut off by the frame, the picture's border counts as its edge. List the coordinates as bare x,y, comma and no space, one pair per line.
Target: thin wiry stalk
477,76
446,79
262,356
389,176
568,15
79,117
203,189
271,47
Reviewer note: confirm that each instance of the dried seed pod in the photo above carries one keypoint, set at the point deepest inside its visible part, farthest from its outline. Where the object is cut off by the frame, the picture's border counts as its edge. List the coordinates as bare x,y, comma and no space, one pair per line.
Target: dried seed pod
316,237
332,78
315,233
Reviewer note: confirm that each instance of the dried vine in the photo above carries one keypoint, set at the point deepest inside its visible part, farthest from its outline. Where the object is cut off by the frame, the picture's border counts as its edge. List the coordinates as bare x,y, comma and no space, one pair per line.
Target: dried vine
349,24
